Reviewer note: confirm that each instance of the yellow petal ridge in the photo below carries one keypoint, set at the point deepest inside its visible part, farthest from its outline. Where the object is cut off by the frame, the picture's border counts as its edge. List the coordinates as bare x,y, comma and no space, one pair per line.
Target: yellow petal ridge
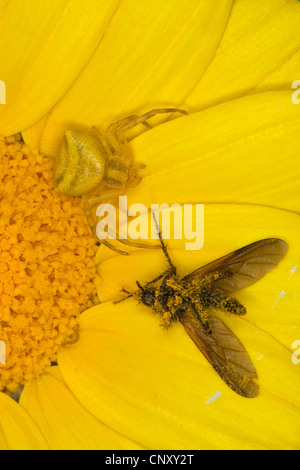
139,68
258,52
35,74
65,423
243,151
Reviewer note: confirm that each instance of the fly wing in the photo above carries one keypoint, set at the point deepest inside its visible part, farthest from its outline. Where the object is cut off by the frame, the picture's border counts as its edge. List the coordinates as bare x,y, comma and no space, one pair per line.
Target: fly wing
225,353
245,266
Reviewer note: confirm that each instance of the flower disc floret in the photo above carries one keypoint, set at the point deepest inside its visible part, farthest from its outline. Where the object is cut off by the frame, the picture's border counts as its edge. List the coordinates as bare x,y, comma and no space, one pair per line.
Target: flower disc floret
46,264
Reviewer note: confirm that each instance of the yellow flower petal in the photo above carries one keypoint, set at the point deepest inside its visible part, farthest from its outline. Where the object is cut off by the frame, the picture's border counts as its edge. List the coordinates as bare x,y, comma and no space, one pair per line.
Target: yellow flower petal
153,60
157,387
64,422
17,429
259,51
242,151
39,63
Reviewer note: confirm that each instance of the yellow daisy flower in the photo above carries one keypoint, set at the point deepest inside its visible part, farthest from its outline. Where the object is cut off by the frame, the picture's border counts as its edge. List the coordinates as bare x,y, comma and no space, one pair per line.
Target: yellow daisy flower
125,383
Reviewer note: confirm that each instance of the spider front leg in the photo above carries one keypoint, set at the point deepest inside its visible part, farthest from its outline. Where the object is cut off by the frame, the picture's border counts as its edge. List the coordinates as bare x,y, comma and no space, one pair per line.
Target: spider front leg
120,170
121,175
115,133
92,201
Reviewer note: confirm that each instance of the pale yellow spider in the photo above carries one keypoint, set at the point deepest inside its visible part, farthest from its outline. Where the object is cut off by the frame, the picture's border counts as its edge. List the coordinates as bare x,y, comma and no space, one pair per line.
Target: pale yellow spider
100,167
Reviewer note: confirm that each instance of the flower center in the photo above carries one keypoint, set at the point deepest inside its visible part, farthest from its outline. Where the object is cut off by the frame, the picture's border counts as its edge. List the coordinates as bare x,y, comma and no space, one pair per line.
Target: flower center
46,264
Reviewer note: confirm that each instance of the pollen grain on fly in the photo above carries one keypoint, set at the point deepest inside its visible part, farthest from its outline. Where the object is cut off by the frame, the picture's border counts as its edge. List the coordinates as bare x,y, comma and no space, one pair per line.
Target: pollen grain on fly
46,264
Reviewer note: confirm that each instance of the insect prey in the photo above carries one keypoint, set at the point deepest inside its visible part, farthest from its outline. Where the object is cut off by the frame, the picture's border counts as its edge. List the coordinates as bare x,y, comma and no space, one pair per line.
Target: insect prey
193,299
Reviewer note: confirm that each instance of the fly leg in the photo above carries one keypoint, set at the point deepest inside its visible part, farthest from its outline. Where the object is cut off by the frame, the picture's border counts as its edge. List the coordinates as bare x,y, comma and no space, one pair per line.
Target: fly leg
172,271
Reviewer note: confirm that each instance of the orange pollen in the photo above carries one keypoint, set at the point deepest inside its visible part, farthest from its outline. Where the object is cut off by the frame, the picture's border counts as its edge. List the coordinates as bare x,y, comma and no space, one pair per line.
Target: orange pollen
46,265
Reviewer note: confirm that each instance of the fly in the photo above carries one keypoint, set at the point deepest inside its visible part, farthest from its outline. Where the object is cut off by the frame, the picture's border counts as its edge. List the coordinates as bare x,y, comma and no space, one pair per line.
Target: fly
192,300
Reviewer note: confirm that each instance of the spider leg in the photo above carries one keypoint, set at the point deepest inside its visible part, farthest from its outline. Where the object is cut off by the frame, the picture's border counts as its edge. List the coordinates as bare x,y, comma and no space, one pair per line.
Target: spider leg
134,120
115,132
103,141
90,213
73,338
